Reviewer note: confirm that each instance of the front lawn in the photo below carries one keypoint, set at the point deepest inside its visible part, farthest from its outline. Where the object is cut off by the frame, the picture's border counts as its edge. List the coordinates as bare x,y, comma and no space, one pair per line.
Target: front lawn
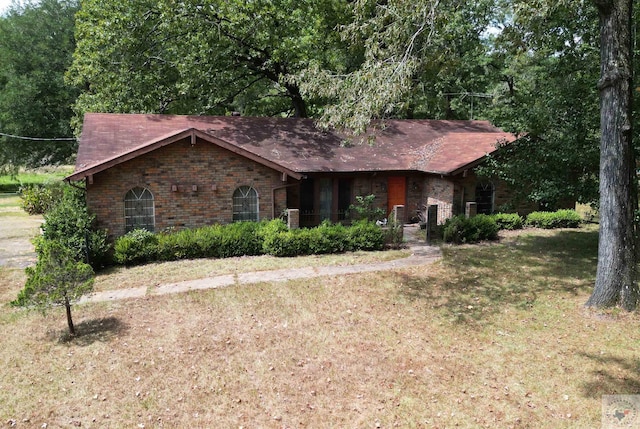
494,335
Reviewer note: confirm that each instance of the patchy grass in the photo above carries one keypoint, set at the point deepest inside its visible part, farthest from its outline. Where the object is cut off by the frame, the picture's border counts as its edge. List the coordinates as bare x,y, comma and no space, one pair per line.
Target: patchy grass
492,336
10,202
170,272
36,176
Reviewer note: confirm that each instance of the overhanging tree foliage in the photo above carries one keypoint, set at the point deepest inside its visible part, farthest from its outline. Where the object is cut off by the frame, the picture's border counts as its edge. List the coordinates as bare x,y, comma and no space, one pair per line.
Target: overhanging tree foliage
420,60
546,93
208,57
36,46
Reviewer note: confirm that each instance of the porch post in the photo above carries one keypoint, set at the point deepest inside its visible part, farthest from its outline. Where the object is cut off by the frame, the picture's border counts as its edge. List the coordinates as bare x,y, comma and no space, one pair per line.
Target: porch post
293,218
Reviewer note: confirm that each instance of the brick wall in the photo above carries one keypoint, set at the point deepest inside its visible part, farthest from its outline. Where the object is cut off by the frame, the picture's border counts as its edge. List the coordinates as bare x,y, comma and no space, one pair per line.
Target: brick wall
214,171
440,191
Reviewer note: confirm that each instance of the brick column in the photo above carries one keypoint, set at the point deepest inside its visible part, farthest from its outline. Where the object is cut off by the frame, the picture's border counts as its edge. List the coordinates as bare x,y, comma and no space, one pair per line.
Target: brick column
397,221
471,209
293,218
397,215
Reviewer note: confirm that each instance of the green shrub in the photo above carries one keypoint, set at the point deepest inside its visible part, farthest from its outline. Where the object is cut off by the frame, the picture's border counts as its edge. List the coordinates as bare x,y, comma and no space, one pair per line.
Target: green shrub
328,238
393,236
246,238
69,222
365,209
271,227
240,239
508,221
460,229
288,243
557,219
38,199
178,245
365,235
136,247
208,240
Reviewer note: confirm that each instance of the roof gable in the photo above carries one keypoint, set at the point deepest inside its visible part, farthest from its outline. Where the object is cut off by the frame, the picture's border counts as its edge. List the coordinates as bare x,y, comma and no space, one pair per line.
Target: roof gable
290,145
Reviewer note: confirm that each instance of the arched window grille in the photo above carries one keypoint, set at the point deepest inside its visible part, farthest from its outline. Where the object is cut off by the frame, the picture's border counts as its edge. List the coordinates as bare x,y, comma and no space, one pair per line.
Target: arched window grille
245,204
139,210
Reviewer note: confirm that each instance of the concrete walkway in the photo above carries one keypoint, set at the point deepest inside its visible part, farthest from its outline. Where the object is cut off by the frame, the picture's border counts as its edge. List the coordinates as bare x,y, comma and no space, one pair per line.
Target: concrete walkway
420,254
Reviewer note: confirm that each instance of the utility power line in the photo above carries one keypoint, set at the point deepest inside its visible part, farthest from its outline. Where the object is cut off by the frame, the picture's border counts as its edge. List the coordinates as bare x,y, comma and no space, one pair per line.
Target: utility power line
39,138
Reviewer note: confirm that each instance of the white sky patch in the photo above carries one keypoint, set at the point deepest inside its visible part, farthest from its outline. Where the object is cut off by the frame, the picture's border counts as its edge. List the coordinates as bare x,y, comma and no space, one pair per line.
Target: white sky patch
4,5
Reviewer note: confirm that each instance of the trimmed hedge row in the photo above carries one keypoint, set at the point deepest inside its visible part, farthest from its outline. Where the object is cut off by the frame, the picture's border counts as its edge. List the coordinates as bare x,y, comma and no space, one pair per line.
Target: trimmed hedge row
246,239
509,221
460,229
557,219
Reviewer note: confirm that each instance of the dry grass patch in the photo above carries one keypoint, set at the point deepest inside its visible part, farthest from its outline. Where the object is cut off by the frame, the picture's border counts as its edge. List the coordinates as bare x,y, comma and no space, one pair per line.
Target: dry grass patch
492,336
155,274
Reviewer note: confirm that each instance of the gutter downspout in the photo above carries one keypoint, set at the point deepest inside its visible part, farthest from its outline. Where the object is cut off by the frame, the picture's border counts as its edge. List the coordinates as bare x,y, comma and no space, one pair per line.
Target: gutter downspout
273,197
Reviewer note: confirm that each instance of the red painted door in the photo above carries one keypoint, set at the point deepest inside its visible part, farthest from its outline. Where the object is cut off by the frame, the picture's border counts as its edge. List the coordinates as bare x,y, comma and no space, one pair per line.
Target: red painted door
396,192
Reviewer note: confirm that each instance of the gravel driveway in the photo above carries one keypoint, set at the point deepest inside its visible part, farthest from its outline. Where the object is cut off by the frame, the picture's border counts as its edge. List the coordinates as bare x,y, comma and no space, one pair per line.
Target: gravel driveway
16,231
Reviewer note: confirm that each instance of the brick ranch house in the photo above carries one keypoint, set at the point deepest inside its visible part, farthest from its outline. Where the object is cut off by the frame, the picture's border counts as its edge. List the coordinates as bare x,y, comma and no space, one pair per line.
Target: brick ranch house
167,171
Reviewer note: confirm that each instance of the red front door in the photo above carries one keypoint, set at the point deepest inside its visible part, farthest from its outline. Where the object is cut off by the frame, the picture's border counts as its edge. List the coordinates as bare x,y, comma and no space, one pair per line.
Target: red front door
396,192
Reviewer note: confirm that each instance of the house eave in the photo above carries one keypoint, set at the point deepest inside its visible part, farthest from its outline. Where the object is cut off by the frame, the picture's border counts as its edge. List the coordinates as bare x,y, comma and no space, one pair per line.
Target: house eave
192,134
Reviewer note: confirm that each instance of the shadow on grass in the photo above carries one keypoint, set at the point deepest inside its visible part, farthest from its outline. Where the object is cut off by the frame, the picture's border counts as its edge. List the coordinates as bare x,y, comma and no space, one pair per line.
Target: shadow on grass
616,376
480,280
94,330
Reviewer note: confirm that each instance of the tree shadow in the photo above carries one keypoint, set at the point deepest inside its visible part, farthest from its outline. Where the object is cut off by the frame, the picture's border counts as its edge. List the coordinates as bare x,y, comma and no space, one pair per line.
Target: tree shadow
482,279
91,331
615,376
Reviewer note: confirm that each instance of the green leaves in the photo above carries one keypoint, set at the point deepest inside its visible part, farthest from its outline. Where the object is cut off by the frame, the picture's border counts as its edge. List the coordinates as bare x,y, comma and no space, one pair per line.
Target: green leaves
36,44
57,278
414,56
208,57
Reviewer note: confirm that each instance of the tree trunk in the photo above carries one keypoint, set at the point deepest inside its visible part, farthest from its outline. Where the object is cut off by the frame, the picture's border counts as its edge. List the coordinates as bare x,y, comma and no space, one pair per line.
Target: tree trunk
297,101
72,329
616,274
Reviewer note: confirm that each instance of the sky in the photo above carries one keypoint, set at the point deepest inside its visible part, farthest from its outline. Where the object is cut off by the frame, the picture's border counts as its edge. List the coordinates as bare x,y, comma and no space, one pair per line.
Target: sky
4,4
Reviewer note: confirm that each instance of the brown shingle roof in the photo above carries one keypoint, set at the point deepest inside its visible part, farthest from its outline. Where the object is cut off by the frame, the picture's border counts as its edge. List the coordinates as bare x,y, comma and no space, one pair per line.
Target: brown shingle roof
292,145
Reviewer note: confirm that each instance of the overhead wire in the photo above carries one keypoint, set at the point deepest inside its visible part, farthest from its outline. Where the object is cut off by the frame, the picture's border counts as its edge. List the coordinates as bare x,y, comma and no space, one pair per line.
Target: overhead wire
38,138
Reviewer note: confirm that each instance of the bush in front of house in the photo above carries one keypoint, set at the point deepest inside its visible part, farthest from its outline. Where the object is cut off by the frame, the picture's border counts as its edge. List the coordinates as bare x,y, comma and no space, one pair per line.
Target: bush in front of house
508,221
287,243
241,239
460,229
550,220
69,222
136,247
181,244
323,239
38,199
328,238
364,235
246,239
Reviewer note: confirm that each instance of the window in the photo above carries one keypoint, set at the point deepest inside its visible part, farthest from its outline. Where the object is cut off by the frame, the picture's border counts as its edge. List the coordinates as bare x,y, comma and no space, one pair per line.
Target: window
484,198
139,212
245,204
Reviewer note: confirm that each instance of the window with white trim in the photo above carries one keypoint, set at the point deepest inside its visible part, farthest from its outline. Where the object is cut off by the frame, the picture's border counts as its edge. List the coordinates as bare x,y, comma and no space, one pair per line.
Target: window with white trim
245,204
139,210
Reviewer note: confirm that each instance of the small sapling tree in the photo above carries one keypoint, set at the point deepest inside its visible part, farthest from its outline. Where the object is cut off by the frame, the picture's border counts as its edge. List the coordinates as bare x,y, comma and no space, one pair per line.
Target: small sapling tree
366,209
57,279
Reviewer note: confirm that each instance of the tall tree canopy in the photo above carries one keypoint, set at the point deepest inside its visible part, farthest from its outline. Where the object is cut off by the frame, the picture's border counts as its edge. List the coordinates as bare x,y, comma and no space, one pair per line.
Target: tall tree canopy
548,95
419,56
204,57
36,47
